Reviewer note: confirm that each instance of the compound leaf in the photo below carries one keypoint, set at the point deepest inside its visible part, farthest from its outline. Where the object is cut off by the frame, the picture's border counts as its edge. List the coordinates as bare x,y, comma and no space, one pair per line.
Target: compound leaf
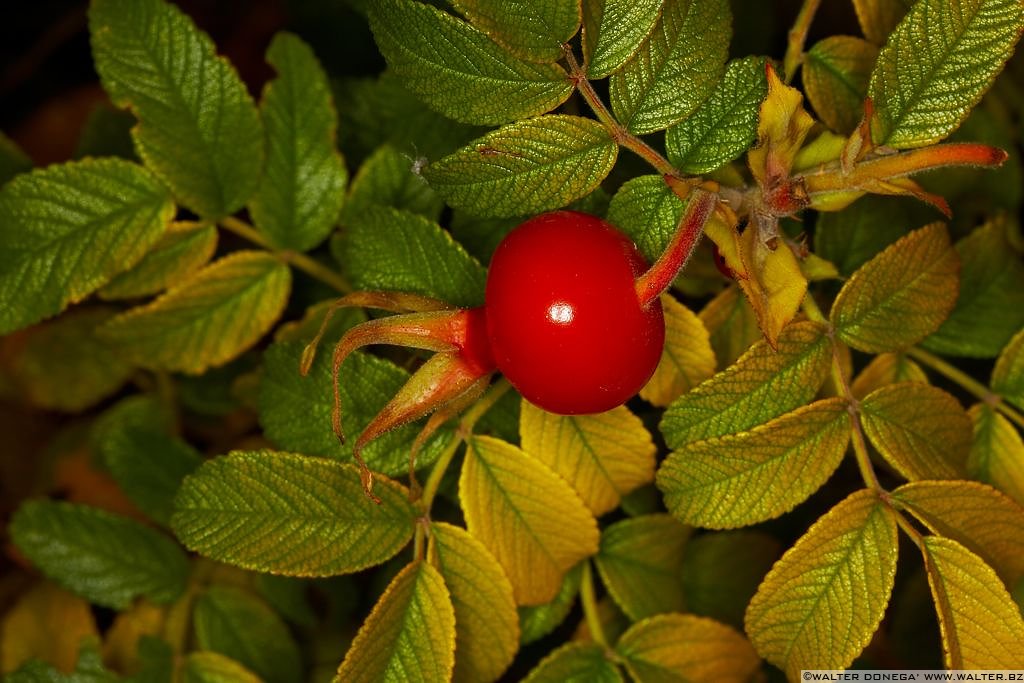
602,456
761,385
936,65
613,30
183,249
688,648
982,627
68,229
640,562
687,359
576,661
997,452
290,514
918,273
459,71
108,559
409,635
486,621
921,430
836,71
526,515
534,31
821,603
744,478
1008,374
526,167
198,128
303,187
676,67
724,125
207,320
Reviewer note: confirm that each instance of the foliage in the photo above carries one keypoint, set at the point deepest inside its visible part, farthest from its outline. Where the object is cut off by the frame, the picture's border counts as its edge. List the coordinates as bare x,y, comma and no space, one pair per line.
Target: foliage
857,379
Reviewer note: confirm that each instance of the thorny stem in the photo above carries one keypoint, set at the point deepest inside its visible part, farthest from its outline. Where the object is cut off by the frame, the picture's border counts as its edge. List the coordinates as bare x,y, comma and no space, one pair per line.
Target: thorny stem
590,611
310,266
797,38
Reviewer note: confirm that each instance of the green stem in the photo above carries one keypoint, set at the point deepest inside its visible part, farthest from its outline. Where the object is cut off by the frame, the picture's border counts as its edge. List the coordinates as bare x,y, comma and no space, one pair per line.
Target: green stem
301,261
797,38
588,597
466,425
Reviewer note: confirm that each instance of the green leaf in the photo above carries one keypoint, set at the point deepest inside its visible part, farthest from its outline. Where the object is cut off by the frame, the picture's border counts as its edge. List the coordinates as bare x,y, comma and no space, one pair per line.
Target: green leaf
761,385
646,209
295,411
307,327
107,132
990,307
601,456
922,431
745,478
207,320
533,31
302,190
985,521
821,603
936,65
388,178
185,248
409,635
886,368
288,597
135,443
458,70
108,559
836,71
676,67
68,229
997,452
1008,374
725,124
239,625
12,159
290,514
917,273
526,515
981,626
613,31
722,570
388,249
212,667
198,128
879,17
88,669
640,562
852,237
486,622
526,167
575,661
61,365
537,621
684,647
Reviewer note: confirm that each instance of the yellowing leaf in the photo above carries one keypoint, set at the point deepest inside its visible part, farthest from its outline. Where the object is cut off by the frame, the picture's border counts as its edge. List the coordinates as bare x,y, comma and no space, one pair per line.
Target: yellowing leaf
213,667
901,295
732,324
207,320
775,284
576,662
985,521
684,647
602,456
997,452
982,628
820,604
886,368
836,73
641,563
761,385
410,634
782,126
755,475
486,622
687,359
121,641
184,248
879,17
526,515
46,623
922,431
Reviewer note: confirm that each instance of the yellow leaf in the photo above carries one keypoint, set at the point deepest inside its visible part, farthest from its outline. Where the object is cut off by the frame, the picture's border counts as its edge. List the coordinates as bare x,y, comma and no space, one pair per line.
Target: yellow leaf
901,295
684,647
602,456
821,603
687,359
879,17
121,641
982,627
410,634
922,431
486,621
782,126
46,623
886,368
985,521
732,324
997,452
759,474
776,286
213,667
526,515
